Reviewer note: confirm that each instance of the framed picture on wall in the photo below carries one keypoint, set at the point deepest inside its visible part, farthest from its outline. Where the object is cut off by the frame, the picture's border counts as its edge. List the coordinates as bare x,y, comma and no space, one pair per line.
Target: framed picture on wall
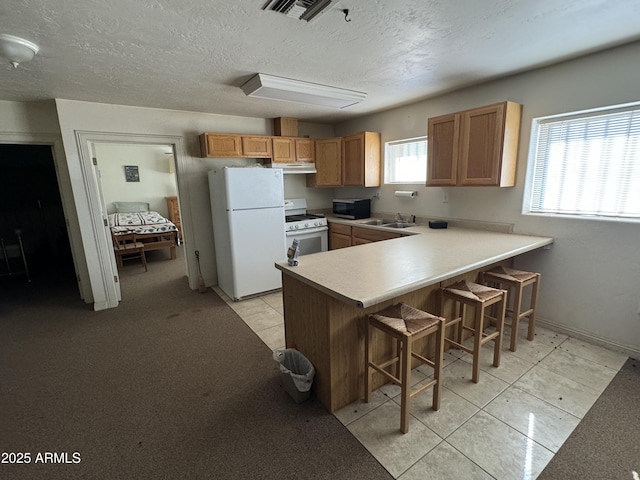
131,173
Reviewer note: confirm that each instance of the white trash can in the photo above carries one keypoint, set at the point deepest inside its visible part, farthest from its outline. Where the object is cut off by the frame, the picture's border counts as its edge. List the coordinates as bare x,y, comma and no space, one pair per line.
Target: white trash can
296,373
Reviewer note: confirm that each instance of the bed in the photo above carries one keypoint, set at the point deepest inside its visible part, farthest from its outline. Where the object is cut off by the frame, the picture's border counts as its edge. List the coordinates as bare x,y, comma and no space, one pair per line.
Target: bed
151,228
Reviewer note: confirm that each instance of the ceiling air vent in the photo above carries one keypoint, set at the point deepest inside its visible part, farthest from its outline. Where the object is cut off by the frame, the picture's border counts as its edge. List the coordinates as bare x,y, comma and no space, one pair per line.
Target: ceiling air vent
300,9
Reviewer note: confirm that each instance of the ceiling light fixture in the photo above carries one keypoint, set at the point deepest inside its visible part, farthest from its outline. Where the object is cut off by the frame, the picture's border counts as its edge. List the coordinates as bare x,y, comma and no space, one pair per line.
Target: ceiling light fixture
16,50
288,90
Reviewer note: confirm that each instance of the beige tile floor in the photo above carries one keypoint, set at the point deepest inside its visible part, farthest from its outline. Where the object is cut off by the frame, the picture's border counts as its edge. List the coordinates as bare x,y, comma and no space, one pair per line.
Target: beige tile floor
507,426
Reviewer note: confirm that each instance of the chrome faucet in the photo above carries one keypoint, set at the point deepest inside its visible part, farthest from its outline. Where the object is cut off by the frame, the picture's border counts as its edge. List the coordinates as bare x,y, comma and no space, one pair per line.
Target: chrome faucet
399,218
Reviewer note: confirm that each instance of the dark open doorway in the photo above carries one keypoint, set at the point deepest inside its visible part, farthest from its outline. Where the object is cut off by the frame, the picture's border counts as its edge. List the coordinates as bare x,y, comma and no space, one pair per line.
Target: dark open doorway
30,204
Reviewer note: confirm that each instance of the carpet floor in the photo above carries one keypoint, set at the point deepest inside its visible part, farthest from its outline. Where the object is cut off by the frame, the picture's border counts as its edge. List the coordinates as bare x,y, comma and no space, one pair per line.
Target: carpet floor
171,384
606,443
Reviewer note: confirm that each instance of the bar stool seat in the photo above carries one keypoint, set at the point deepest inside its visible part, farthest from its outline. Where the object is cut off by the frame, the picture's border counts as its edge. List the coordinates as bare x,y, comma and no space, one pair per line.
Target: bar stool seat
508,278
406,325
480,297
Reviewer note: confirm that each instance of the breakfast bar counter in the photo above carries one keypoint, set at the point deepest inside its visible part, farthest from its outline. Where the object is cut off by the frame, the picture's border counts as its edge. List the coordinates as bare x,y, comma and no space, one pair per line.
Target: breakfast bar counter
328,296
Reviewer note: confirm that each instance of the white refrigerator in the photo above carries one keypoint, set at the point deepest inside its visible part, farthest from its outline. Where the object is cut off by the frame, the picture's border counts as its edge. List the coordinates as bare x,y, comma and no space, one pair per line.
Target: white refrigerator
247,205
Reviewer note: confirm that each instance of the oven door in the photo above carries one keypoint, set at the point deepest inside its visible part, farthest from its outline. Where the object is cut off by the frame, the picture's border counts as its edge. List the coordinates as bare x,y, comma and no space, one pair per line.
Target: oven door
311,240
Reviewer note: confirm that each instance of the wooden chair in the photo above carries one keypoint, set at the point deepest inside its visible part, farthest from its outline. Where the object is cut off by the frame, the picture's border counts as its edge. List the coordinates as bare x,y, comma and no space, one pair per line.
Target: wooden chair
406,325
508,278
127,247
480,297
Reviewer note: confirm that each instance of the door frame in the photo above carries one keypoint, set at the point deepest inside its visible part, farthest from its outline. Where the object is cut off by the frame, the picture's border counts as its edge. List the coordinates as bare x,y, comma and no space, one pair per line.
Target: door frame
104,278
64,186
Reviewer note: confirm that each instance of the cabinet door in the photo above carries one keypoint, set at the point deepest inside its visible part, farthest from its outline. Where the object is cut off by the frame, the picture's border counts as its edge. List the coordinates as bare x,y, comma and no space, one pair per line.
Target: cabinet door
256,147
305,150
443,135
220,145
328,164
353,160
481,145
339,235
361,160
339,240
283,150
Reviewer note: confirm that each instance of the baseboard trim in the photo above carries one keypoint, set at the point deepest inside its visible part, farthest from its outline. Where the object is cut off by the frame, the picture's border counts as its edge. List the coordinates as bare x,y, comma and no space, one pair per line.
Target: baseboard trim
628,350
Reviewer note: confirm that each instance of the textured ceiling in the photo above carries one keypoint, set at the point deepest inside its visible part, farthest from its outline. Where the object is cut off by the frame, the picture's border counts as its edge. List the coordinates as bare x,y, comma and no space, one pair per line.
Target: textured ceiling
193,54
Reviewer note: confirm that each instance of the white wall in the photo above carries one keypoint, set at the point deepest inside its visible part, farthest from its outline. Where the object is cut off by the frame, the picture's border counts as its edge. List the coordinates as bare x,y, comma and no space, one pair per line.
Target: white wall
155,167
591,276
138,124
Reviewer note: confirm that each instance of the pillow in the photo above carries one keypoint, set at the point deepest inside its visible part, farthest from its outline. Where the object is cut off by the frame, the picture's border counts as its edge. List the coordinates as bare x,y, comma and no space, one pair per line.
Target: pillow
131,207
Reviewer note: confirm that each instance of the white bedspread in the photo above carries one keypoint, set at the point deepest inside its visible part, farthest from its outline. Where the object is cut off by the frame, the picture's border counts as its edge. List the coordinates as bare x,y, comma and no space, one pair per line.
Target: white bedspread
140,222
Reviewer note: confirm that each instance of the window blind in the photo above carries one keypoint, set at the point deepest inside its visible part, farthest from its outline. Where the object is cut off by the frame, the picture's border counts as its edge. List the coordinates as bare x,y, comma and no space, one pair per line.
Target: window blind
588,165
406,161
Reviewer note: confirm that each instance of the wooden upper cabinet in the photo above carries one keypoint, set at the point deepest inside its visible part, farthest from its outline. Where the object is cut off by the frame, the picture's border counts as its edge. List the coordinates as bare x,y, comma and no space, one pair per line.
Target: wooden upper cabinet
220,145
442,150
328,163
293,150
256,147
475,147
284,150
361,160
305,150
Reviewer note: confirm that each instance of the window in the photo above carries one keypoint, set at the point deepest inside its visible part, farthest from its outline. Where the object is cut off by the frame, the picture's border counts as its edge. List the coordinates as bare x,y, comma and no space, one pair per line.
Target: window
406,161
586,164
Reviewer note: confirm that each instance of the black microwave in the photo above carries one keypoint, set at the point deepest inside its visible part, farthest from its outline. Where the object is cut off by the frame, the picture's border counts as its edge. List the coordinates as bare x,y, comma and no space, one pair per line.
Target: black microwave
352,208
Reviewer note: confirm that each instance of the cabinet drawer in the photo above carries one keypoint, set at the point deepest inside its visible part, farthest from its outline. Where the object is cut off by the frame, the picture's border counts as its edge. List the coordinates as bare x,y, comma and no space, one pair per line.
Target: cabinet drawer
340,228
371,235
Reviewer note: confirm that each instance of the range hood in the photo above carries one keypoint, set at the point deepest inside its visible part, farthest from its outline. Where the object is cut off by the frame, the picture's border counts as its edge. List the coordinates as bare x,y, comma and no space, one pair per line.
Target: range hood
293,167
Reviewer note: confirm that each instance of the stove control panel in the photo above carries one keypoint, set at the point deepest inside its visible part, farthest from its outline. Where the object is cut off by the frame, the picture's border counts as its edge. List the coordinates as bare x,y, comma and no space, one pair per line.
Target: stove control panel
301,225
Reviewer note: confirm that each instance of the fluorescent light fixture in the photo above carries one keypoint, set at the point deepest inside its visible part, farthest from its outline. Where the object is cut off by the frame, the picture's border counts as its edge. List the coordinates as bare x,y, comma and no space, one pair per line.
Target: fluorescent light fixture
279,88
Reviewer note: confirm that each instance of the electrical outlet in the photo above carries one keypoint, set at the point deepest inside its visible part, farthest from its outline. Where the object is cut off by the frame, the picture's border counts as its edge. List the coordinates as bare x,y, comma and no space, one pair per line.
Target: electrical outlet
445,197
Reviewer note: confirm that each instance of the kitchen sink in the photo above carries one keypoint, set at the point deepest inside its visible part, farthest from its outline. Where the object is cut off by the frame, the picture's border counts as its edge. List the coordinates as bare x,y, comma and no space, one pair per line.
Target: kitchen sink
398,225
378,222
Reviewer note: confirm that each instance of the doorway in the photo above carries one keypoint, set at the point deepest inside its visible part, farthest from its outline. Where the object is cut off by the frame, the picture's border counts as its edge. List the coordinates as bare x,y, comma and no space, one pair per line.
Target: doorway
31,212
140,174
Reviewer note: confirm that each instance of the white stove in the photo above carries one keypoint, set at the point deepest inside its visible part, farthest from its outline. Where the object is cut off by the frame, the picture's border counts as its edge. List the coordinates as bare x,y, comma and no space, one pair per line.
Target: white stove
309,229
297,218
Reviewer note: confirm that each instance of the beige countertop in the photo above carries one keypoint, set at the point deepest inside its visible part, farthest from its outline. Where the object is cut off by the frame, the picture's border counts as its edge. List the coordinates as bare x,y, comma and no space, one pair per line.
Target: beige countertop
366,275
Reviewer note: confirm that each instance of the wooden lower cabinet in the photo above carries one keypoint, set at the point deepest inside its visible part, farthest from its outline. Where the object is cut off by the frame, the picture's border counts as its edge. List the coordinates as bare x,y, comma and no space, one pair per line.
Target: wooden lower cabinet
361,235
339,236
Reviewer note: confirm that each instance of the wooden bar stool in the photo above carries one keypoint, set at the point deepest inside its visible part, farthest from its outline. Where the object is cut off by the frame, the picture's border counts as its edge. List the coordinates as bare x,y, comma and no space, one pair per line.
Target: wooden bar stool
480,297
406,325
508,278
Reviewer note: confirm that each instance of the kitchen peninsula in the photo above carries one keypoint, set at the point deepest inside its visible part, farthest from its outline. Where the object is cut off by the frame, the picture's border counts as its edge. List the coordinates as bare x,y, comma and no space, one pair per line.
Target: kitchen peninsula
329,295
